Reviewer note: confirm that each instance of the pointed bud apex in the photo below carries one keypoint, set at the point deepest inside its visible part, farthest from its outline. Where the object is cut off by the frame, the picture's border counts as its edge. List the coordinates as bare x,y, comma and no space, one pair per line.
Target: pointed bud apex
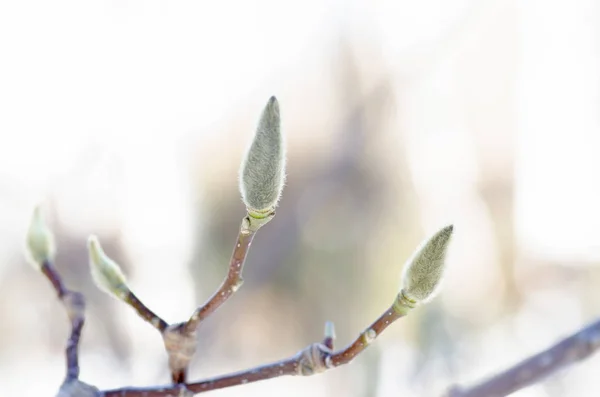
106,273
329,330
423,271
40,240
263,171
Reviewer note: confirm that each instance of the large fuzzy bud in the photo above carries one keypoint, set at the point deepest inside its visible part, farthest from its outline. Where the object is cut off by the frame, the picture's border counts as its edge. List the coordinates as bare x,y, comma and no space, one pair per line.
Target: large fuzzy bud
424,270
106,273
40,241
262,173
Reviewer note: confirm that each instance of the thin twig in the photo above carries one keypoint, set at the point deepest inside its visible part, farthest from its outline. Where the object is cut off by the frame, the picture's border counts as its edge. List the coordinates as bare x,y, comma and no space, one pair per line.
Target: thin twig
74,304
315,358
180,339
232,282
395,312
52,275
132,300
571,350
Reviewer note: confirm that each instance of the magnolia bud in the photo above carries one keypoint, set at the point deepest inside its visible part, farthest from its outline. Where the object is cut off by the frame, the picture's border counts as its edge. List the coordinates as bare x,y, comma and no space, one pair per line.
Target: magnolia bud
423,271
329,330
106,273
40,240
262,173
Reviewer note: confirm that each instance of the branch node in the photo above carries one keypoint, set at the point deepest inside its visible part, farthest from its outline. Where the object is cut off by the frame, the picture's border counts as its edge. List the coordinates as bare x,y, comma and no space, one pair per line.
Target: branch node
238,284
74,303
251,223
77,388
184,391
403,304
314,359
369,336
181,346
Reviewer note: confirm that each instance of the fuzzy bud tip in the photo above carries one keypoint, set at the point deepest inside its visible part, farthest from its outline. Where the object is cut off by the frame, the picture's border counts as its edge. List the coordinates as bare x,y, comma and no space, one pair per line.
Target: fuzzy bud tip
40,241
330,330
106,273
262,173
424,270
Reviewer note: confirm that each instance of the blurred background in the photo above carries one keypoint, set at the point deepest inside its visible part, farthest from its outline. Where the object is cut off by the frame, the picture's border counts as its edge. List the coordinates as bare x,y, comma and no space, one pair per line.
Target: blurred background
128,119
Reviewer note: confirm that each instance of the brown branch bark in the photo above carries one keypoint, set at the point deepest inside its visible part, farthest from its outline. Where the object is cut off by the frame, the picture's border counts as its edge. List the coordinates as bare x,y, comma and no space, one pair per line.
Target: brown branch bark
180,339
74,304
232,282
399,309
315,358
144,312
571,350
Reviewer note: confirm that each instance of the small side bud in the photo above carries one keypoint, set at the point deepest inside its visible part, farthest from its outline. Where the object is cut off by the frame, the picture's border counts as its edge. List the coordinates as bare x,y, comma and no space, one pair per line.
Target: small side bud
329,336
40,241
106,273
329,330
262,173
423,271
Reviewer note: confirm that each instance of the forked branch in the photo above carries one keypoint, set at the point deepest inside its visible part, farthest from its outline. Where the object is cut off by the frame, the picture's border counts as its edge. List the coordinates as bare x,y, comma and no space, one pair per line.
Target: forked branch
314,359
261,183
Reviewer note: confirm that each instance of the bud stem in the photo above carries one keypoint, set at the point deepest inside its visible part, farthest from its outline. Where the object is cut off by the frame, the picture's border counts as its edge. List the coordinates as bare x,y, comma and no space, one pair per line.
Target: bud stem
234,280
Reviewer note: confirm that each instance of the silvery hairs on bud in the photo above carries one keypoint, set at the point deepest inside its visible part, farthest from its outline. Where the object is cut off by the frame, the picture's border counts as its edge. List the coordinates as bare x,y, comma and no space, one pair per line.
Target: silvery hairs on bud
262,173
424,270
106,273
40,245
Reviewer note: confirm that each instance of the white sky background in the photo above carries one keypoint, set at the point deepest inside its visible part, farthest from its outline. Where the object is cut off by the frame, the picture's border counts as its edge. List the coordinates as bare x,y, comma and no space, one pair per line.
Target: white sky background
77,73
558,167
78,76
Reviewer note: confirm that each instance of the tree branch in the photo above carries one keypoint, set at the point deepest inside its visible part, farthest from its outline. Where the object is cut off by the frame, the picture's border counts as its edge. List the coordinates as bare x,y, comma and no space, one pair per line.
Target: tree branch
399,309
571,350
74,304
422,275
314,359
261,182
180,339
144,312
234,279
